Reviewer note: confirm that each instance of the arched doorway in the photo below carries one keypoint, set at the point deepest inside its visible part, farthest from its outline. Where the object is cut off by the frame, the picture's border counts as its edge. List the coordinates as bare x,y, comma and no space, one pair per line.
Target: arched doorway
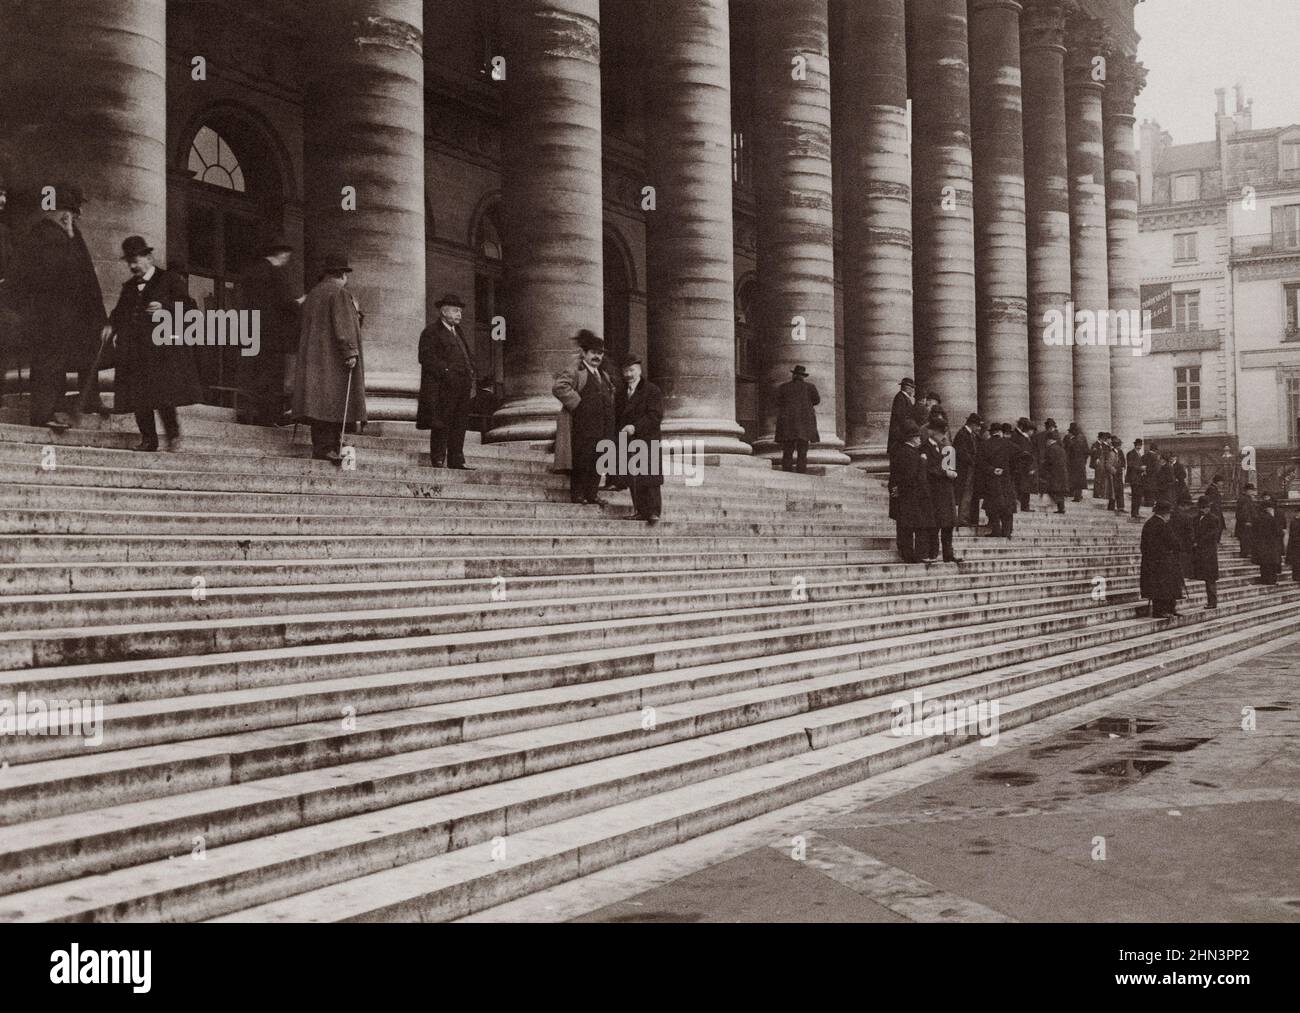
234,199
618,300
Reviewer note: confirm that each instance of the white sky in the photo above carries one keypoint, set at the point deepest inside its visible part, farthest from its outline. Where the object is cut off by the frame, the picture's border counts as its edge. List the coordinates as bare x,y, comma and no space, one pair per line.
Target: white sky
1192,47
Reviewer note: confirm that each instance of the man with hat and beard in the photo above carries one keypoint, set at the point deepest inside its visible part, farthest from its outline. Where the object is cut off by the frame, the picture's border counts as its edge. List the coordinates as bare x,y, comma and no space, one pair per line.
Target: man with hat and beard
448,381
640,414
265,289
796,420
150,377
586,418
329,390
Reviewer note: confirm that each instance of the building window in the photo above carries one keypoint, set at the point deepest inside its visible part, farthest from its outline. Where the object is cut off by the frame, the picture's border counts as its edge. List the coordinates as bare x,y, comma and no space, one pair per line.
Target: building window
1187,392
212,161
1286,226
1185,246
1290,156
1187,187
1291,293
1187,311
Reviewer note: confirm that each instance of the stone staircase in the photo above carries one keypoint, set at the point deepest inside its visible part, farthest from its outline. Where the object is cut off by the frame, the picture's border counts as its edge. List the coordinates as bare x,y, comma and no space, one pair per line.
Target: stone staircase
397,693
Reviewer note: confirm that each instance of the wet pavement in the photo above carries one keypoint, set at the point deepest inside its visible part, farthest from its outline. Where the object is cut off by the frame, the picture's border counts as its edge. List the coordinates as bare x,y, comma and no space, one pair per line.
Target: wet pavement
1183,805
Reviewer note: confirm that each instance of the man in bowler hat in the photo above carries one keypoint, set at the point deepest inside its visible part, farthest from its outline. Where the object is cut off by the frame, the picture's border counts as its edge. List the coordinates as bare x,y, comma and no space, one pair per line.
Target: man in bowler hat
447,385
586,418
796,419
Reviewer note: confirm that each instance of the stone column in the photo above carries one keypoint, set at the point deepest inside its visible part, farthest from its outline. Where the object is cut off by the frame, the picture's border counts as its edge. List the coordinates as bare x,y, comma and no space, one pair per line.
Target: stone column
551,203
363,173
872,152
689,241
943,216
998,151
1125,79
85,103
796,259
1047,202
1085,83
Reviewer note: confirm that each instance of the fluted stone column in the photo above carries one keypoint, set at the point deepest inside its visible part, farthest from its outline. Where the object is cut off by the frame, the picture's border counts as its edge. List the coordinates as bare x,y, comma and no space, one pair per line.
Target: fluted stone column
1047,203
363,128
1001,266
871,148
1088,244
943,215
796,259
551,203
689,238
1125,79
87,105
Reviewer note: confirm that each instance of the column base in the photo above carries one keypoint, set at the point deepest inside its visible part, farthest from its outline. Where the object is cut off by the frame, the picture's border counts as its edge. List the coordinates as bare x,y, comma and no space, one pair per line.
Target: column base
823,452
869,457
525,421
719,436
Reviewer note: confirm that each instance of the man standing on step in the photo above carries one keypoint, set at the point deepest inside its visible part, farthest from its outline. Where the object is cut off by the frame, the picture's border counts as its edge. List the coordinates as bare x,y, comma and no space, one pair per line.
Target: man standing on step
448,379
796,419
967,445
265,290
149,377
1293,547
1150,475
997,482
901,412
1161,578
1055,473
1266,540
1116,462
1206,532
1040,439
1076,456
1245,511
329,389
909,495
941,477
1097,458
1136,474
1023,464
640,415
586,418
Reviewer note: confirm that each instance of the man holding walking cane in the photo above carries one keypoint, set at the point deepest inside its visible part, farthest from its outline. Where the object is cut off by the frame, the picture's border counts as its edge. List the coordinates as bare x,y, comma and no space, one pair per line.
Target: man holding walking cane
329,390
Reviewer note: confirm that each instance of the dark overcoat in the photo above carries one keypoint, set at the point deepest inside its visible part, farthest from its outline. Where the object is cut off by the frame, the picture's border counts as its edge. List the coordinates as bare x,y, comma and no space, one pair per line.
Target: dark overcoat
1293,545
997,482
1161,578
909,502
1022,462
330,335
1076,455
967,446
1207,530
586,413
1151,475
1055,477
1266,539
796,418
56,292
1245,516
941,487
1038,443
1135,470
899,415
446,365
644,410
148,376
1183,523
267,289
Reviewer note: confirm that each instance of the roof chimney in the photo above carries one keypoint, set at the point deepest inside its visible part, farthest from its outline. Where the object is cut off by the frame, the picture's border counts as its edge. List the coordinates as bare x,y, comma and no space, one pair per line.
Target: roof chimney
1222,95
1241,93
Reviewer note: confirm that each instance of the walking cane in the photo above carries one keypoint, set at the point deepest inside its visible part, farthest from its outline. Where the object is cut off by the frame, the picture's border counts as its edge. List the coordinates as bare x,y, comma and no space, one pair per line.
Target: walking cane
347,401
94,372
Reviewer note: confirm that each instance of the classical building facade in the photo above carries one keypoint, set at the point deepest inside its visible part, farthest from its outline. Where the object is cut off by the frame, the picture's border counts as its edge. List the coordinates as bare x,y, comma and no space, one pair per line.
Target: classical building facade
871,188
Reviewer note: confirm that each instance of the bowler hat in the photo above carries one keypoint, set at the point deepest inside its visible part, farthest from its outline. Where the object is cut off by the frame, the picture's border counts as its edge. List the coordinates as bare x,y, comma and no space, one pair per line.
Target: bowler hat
1163,506
907,381
588,341
973,419
135,246
910,429
276,244
799,371
450,299
1203,501
68,197
336,262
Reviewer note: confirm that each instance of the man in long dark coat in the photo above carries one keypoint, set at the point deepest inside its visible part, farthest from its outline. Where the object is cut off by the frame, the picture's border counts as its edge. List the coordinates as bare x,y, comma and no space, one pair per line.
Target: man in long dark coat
909,493
265,289
448,378
901,411
1293,547
1055,473
1135,471
997,482
151,377
966,443
329,389
796,419
1245,519
1266,540
1040,440
1116,463
1023,463
587,416
941,477
1097,455
1161,579
1206,532
1150,475
1076,456
640,415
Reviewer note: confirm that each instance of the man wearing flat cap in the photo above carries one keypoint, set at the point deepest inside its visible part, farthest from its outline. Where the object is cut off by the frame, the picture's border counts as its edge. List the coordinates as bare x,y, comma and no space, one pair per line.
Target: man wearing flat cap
265,289
447,384
586,418
640,414
796,419
329,390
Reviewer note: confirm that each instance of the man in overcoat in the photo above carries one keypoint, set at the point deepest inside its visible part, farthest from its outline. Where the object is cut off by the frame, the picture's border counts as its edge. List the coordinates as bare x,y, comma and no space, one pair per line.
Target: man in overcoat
1097,457
1055,474
909,493
586,417
941,476
1076,455
1206,532
1025,476
997,480
901,411
448,382
1135,471
966,442
329,389
640,415
151,376
265,289
1161,578
1266,540
796,419
1245,519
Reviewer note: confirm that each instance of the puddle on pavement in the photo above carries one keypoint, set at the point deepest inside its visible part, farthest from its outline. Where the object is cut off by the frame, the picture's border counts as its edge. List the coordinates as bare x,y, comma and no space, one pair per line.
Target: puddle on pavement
1124,768
1119,726
1173,745
1272,707
1016,778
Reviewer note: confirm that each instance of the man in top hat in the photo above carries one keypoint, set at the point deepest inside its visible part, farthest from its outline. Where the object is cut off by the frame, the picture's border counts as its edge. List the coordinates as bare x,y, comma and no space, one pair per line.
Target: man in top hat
1267,535
587,416
1136,471
1161,575
265,289
149,376
329,390
1076,459
796,419
640,412
448,381
56,292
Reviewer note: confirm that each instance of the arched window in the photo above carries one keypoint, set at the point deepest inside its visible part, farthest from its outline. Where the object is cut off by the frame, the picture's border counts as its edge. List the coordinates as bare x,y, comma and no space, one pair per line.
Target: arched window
212,161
